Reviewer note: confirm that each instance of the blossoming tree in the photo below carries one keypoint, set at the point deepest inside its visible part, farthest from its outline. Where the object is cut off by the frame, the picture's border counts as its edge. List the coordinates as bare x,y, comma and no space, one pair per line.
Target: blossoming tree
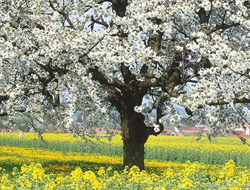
133,55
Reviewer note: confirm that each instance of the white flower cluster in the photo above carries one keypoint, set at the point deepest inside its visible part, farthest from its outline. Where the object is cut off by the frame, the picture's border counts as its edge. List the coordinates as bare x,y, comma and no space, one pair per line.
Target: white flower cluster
138,109
35,37
156,128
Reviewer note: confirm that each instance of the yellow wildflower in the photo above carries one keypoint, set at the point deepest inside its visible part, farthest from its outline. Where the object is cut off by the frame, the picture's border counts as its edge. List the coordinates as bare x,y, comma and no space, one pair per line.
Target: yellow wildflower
169,173
235,188
3,187
50,185
77,173
101,172
187,183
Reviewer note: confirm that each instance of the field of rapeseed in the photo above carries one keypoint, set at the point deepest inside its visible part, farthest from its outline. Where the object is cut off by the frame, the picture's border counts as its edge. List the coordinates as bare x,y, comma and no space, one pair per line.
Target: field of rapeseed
64,162
161,148
174,176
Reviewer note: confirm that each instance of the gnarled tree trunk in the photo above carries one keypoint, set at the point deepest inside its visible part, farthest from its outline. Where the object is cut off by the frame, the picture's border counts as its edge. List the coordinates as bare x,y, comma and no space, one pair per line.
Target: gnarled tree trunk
134,134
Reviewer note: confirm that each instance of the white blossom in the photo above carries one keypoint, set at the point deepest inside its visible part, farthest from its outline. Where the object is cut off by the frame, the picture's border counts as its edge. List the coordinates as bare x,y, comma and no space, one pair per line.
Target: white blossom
45,55
156,128
138,109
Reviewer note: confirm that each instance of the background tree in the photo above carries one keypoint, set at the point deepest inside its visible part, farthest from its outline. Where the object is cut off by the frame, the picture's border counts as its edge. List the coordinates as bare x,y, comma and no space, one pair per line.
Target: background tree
139,57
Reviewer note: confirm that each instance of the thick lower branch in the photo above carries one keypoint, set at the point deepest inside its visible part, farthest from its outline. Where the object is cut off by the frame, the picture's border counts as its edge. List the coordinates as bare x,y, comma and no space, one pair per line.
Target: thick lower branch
120,7
4,98
100,77
127,75
114,96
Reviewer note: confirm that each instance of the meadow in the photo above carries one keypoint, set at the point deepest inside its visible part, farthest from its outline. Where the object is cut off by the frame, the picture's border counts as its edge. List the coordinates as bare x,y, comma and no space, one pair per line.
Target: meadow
65,162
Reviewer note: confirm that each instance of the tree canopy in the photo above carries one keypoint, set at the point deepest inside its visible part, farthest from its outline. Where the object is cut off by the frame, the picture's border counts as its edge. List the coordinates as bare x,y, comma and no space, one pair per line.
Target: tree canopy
138,57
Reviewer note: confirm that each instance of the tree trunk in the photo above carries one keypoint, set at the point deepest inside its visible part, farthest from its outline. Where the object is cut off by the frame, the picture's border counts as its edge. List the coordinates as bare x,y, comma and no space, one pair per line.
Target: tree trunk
133,134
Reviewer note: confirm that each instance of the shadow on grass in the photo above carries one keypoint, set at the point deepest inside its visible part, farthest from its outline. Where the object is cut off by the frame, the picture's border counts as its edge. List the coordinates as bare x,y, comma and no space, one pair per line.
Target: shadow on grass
57,167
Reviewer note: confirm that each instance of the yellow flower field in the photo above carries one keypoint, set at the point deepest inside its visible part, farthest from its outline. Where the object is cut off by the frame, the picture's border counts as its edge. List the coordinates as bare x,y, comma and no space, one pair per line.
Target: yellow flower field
218,144
28,155
161,148
56,163
188,176
31,155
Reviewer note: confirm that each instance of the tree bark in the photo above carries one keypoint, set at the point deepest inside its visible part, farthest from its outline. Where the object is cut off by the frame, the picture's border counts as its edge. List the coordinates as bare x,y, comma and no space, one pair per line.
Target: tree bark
134,133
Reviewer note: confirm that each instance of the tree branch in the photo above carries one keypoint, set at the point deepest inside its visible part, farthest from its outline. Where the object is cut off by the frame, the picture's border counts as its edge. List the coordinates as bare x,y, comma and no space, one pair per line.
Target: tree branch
242,74
4,98
100,77
223,27
203,16
127,75
63,13
95,44
120,7
220,103
96,21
